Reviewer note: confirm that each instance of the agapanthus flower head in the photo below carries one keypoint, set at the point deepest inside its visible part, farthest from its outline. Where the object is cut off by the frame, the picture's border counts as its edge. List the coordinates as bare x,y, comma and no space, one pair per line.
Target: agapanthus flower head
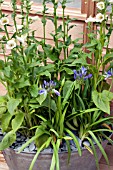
49,87
108,74
50,84
81,74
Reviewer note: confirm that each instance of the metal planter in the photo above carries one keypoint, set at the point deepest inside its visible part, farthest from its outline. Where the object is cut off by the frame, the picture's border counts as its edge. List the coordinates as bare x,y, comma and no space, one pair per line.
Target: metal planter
22,161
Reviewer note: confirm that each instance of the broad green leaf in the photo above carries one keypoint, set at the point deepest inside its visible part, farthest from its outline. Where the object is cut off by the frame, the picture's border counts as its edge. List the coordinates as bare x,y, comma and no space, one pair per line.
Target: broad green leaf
17,121
5,121
8,140
107,94
101,101
1,64
41,98
2,99
68,92
46,73
34,90
107,58
22,83
12,105
68,71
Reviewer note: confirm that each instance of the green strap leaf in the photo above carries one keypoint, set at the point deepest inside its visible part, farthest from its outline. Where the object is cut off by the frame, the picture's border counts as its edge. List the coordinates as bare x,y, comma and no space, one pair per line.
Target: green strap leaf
75,140
100,146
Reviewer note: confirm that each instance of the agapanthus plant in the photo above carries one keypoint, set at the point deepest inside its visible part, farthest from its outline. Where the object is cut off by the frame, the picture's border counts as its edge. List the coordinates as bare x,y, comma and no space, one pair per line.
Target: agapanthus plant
49,100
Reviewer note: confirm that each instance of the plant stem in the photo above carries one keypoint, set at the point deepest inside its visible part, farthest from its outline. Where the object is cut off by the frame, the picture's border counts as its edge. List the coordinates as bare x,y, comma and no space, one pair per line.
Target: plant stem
55,24
44,31
50,106
64,29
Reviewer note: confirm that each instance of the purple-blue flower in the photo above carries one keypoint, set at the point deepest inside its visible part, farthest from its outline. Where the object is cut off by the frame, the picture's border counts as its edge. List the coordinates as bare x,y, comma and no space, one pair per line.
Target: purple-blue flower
81,74
83,70
56,92
88,76
42,91
108,74
49,87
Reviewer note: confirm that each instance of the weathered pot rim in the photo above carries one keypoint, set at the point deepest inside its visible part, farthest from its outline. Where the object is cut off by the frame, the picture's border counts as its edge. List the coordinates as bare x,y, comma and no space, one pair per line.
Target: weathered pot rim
60,153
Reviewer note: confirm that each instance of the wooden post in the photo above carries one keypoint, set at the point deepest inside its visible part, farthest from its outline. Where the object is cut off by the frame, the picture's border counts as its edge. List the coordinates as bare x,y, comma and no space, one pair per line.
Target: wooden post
90,11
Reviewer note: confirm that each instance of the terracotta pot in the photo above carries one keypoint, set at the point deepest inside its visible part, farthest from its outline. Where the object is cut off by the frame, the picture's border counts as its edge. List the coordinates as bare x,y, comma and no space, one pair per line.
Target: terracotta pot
22,161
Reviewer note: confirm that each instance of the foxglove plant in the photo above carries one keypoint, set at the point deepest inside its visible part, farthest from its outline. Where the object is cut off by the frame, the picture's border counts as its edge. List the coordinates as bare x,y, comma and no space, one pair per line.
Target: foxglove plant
55,103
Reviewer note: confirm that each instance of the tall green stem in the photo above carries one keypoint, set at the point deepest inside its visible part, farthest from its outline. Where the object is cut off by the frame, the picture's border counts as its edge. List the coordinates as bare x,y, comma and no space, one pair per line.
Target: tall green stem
64,29
55,24
50,106
44,31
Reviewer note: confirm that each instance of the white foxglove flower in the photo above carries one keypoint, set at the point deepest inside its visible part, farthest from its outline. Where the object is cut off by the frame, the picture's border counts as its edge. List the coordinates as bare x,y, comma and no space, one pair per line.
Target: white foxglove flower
111,1
99,17
19,16
19,27
4,21
22,38
100,5
1,36
56,1
10,44
90,19
31,3
33,19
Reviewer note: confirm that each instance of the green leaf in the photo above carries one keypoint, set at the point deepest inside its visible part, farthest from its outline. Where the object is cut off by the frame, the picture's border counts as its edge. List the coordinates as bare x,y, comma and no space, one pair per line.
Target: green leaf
5,121
67,90
22,83
75,140
68,71
46,73
101,100
8,140
34,90
28,142
54,131
41,98
100,146
12,105
36,155
1,64
94,152
17,121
